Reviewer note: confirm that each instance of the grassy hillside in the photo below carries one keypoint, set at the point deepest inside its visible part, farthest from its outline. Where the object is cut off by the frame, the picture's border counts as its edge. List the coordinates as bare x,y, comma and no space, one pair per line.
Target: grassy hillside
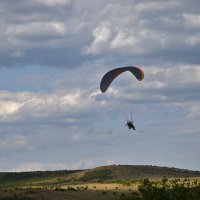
119,172
112,173
37,177
114,182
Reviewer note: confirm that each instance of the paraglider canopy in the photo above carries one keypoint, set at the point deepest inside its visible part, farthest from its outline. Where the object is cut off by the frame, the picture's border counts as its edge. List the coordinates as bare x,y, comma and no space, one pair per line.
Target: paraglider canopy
111,75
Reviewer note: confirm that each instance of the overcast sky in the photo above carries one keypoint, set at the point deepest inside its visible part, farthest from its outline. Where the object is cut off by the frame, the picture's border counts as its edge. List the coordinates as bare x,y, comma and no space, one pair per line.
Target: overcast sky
53,54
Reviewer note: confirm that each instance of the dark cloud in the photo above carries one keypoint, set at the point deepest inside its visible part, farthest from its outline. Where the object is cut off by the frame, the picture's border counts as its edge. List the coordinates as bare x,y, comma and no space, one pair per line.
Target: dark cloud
27,11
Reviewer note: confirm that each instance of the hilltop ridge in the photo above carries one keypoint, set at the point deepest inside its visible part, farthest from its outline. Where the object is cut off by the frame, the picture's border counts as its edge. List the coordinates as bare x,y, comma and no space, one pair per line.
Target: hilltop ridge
118,172
109,173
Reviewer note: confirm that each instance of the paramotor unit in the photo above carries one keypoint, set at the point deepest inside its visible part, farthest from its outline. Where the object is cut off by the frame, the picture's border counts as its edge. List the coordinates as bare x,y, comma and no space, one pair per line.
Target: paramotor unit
130,124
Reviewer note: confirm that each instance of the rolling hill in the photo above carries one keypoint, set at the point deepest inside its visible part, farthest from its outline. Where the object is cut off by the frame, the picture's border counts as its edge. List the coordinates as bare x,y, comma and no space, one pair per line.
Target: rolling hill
111,173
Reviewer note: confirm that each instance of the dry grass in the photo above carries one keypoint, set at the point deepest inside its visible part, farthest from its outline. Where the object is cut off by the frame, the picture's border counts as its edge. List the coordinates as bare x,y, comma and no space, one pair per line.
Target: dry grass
89,191
102,187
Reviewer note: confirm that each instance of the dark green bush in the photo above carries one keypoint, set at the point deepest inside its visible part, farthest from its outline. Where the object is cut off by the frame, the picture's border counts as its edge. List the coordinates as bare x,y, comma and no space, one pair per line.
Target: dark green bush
167,190
170,190
72,189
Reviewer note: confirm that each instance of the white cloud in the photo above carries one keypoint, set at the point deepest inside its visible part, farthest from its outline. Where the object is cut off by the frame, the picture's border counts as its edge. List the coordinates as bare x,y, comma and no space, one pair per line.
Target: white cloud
71,99
36,29
53,2
154,6
153,84
38,166
193,110
8,108
192,20
28,167
22,106
122,40
193,40
179,74
101,36
14,142
83,164
18,54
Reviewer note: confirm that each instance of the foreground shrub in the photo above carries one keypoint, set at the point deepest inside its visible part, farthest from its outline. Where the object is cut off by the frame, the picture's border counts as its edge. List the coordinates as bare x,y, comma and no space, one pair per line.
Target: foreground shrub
170,190
167,190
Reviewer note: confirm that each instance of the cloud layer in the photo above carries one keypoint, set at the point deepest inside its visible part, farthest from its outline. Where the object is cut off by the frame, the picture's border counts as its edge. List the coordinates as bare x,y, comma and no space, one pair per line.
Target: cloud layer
52,58
67,33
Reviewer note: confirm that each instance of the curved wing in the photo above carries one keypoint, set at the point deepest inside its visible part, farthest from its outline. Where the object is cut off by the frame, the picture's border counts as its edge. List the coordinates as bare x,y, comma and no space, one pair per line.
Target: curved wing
111,75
